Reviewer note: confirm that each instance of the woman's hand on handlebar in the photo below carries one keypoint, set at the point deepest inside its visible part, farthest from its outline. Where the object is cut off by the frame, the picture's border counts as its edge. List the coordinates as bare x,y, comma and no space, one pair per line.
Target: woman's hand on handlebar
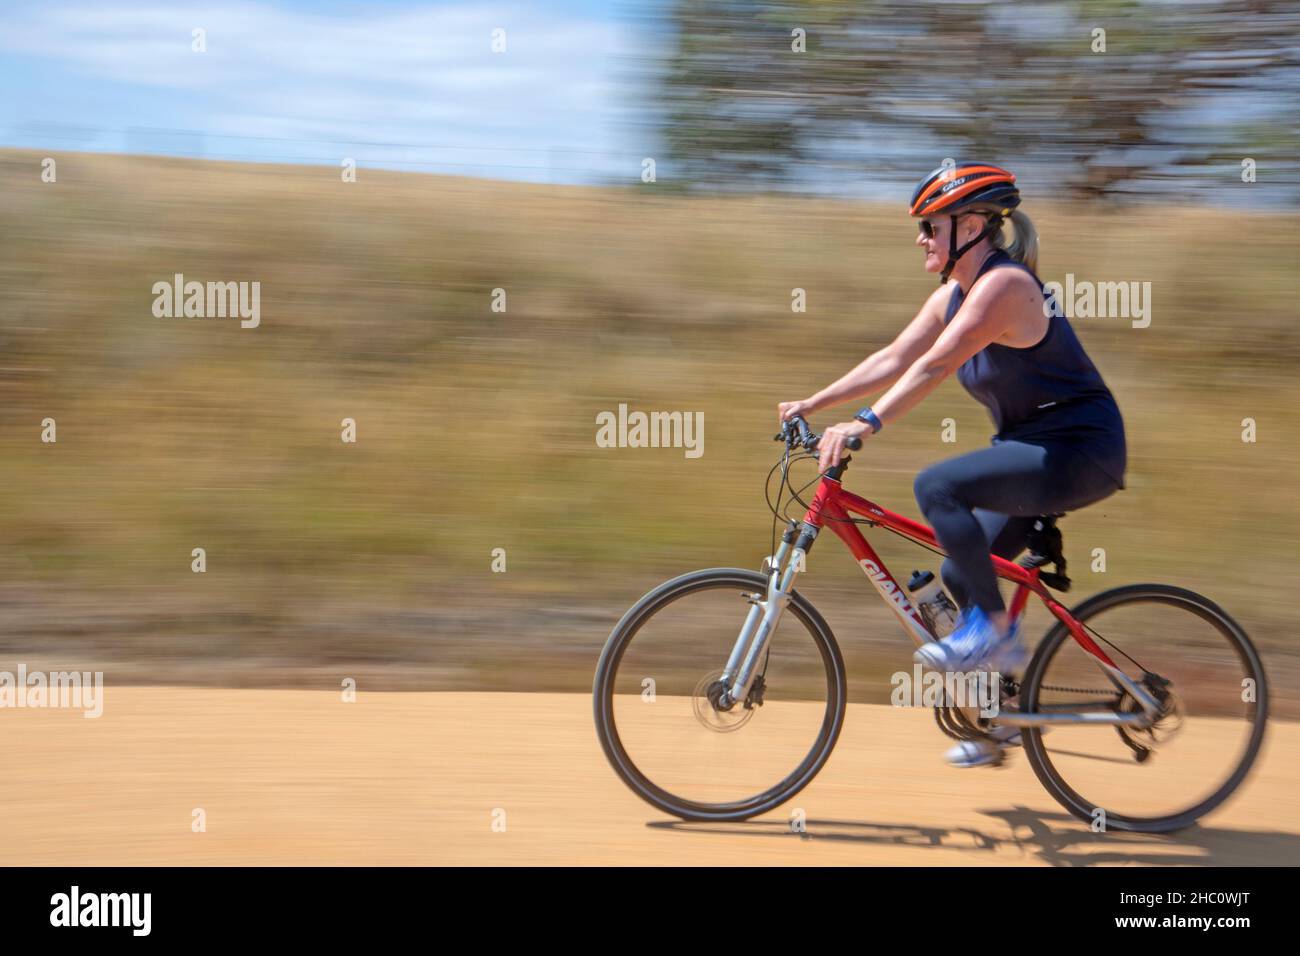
805,407
834,440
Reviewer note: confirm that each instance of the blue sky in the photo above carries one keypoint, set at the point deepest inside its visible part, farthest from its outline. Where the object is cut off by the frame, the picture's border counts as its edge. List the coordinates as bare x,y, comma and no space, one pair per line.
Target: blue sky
402,85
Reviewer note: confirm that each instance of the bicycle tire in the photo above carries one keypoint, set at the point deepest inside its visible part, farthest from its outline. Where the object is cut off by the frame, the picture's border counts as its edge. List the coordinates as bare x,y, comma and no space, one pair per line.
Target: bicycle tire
1203,607
603,698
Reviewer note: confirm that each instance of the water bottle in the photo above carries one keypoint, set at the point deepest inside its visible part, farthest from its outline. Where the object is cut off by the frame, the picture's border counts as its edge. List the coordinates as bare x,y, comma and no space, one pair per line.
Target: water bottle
937,609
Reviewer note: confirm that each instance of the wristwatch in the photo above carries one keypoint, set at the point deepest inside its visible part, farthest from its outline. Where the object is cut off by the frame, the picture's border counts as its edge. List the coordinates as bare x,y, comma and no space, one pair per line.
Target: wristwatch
871,418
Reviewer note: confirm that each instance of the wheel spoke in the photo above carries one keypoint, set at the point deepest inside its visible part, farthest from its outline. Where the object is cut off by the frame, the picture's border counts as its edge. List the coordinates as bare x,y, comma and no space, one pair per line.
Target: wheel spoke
664,719
1200,667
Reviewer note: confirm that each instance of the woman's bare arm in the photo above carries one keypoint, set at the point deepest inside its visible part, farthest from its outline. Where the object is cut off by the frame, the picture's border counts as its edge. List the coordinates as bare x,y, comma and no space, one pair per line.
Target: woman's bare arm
997,305
882,369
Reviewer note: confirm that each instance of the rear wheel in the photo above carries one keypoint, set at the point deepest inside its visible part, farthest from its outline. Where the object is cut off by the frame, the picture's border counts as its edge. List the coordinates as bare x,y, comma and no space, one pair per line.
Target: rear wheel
659,713
1197,661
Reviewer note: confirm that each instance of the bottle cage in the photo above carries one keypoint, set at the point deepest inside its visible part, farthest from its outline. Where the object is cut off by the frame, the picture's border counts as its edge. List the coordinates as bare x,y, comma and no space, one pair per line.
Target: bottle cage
1045,547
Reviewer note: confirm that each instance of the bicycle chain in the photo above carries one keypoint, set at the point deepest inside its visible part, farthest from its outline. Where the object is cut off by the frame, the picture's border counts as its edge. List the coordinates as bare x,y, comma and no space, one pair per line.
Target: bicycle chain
1081,690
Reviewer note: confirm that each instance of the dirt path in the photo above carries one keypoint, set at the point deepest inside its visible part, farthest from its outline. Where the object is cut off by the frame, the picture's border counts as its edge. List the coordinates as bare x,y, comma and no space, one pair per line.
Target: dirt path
297,777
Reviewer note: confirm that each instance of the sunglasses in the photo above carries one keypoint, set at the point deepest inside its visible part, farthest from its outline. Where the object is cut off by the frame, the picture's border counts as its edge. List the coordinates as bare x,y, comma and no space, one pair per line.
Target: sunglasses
927,227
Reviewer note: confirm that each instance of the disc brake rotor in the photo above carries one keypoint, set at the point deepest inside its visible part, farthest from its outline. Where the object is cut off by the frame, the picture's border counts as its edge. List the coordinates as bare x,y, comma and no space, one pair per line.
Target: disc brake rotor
705,704
1166,725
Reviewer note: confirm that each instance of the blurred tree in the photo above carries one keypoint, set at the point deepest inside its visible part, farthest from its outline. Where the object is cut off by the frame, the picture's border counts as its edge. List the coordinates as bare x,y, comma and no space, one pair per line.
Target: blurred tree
1117,96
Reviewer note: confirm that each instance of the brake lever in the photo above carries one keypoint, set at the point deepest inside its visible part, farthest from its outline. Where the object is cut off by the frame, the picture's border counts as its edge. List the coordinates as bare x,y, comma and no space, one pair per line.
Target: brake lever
851,444
806,439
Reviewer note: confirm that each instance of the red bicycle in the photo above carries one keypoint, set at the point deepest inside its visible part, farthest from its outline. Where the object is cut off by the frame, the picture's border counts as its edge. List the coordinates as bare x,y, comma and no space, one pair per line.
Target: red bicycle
1156,699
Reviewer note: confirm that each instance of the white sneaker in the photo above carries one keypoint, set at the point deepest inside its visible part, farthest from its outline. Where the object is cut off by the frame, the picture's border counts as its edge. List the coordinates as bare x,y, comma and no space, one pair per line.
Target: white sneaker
976,645
986,753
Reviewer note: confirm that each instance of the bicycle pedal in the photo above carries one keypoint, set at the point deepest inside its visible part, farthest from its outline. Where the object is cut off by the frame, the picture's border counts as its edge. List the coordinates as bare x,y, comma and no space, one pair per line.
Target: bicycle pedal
1057,582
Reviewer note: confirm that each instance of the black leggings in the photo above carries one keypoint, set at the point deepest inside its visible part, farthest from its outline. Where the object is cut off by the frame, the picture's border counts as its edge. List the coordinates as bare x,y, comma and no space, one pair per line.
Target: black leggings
986,501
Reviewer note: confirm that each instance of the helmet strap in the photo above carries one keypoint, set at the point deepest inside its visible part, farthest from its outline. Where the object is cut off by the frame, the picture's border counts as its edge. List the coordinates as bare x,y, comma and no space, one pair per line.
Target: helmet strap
991,224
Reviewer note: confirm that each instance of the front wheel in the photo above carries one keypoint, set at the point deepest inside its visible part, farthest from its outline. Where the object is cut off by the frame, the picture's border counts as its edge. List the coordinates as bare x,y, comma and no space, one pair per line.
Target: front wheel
667,731
1193,658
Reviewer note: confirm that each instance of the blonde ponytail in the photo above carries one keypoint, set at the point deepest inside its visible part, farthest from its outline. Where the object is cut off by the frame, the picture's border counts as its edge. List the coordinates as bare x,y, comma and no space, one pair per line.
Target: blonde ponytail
1024,244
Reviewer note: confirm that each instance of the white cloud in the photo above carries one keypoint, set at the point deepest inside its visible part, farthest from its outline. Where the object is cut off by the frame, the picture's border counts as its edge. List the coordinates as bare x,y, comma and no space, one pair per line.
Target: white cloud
370,73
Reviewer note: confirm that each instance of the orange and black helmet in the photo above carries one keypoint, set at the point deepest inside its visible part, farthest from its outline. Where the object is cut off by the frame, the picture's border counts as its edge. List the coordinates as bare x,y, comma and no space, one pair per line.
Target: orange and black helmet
966,187
958,188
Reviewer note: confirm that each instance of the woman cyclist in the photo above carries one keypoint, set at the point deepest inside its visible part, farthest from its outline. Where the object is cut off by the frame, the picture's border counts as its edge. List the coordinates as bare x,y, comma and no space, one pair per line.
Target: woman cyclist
1059,443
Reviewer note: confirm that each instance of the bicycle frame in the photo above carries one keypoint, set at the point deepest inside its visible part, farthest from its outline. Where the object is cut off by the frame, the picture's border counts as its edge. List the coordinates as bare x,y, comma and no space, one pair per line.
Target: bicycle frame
835,505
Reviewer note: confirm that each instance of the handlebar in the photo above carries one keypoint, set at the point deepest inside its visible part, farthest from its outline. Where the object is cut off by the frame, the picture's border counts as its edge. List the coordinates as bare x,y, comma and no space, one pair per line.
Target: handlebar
795,431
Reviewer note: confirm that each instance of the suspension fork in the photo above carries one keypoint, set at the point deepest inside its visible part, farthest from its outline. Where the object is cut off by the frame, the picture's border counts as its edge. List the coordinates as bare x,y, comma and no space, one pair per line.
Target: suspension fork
765,613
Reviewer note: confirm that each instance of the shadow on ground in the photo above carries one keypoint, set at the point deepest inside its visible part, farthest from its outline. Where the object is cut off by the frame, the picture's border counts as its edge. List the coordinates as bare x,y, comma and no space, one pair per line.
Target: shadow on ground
1056,839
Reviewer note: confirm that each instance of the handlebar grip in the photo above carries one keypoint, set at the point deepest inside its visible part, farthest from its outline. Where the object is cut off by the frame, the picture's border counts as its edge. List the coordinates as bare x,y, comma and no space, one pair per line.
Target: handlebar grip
809,440
852,444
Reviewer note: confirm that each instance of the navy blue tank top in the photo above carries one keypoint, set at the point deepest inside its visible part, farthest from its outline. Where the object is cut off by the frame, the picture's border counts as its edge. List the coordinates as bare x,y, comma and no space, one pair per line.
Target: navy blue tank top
1049,392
